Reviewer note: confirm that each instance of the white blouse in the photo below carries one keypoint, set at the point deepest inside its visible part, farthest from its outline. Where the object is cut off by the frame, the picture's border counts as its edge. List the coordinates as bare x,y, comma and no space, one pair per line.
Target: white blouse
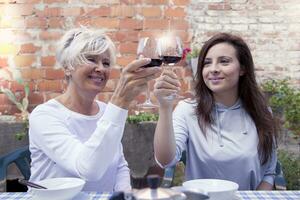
64,143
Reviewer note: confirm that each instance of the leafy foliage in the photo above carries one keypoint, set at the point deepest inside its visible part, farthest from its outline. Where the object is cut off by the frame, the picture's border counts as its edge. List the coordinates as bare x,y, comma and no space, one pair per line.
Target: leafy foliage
285,101
191,53
22,104
142,117
291,169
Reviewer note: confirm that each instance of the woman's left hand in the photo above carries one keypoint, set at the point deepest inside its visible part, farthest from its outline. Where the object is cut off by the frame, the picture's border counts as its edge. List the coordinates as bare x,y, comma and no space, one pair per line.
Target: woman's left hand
167,84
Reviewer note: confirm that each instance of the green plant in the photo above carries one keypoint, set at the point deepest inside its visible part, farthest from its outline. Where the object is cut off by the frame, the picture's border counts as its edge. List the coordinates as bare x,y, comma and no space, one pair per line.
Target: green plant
142,117
21,104
188,53
285,103
291,169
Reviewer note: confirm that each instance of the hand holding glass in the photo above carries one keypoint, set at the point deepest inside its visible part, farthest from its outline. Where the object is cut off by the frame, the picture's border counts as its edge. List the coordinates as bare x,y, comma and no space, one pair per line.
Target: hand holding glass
149,48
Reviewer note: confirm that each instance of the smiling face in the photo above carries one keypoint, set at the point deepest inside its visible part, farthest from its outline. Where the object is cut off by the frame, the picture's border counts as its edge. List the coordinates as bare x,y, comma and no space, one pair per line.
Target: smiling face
221,71
91,78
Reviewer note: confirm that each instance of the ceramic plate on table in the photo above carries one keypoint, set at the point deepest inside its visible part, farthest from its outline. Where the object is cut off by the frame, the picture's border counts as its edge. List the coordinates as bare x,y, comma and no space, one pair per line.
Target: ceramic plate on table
216,189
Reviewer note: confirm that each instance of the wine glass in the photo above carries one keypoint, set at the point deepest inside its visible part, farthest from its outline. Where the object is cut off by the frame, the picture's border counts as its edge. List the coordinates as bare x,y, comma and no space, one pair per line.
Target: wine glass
171,53
149,48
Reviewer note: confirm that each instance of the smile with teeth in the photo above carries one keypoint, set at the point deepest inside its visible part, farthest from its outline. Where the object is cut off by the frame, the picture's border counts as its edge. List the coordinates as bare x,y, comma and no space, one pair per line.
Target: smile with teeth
97,78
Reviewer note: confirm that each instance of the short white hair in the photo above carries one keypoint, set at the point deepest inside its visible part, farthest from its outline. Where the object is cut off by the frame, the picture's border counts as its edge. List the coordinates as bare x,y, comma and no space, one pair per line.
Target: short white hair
79,43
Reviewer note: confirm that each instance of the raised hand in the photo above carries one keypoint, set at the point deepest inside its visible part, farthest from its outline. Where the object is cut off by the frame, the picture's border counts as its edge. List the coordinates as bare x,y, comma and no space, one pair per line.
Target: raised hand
133,81
167,84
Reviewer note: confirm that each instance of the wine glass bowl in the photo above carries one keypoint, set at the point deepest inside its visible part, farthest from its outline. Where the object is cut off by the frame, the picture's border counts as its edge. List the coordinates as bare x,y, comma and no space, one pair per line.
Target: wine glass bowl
171,50
171,53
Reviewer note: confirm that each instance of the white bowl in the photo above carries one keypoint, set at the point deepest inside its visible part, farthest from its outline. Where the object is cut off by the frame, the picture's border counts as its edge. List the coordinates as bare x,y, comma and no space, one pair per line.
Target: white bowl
58,189
216,189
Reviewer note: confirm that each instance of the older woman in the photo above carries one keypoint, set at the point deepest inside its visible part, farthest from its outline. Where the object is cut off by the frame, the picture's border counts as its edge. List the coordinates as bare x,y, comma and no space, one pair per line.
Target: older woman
75,135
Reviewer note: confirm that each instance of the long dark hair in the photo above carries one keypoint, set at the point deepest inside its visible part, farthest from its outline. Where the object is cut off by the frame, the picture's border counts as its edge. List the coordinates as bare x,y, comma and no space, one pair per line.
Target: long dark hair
250,94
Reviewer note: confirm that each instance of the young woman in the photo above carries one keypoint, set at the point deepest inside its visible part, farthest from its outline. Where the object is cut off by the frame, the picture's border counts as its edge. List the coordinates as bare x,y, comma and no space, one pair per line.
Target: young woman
75,135
227,131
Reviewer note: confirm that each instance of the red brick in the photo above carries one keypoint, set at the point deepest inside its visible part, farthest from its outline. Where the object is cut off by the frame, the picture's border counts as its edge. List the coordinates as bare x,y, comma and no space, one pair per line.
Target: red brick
156,2
50,85
47,35
123,11
175,12
150,33
36,22
110,85
54,74
35,98
181,2
99,12
131,2
110,23
16,87
131,24
151,12
56,22
48,61
31,73
55,1
122,36
114,73
128,47
4,100
49,12
24,60
179,24
18,9
4,83
156,24
125,60
75,11
105,23
29,48
3,62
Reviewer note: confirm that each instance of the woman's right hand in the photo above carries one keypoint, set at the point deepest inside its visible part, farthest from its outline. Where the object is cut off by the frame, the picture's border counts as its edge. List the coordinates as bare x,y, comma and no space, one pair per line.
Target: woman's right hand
165,86
133,81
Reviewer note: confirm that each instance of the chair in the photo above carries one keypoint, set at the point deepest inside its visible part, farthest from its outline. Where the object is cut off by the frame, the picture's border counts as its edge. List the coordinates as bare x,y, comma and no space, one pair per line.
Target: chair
279,181
21,157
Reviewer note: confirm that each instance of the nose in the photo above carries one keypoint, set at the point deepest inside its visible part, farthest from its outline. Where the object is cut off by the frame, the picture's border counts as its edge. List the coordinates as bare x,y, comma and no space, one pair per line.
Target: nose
214,68
99,67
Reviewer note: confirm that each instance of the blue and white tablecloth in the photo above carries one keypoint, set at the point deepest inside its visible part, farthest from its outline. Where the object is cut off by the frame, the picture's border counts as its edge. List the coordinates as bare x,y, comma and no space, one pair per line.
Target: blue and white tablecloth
241,195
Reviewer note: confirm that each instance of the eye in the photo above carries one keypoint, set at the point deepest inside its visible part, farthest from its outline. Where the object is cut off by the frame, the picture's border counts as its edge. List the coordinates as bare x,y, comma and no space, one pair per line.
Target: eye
91,59
106,64
225,61
206,63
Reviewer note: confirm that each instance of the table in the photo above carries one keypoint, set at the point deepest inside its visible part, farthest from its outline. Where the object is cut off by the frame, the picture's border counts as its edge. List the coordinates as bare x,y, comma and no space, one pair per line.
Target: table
241,195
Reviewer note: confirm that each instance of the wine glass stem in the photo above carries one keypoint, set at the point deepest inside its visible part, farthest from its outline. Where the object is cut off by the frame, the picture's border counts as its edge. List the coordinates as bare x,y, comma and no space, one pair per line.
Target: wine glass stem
148,94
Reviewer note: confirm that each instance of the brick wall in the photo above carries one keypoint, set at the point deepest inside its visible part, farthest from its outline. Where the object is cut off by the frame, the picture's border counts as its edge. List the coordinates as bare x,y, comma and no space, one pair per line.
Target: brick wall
30,28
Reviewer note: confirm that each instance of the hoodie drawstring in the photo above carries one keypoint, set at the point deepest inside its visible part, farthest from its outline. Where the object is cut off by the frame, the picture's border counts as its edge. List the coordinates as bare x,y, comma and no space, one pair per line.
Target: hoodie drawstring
243,118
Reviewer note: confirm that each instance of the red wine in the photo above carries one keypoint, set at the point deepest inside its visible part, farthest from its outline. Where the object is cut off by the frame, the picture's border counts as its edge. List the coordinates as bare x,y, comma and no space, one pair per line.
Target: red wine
154,62
171,59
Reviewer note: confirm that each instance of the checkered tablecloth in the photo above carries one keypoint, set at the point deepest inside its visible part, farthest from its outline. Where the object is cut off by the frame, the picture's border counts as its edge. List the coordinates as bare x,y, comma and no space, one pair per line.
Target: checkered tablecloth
241,195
